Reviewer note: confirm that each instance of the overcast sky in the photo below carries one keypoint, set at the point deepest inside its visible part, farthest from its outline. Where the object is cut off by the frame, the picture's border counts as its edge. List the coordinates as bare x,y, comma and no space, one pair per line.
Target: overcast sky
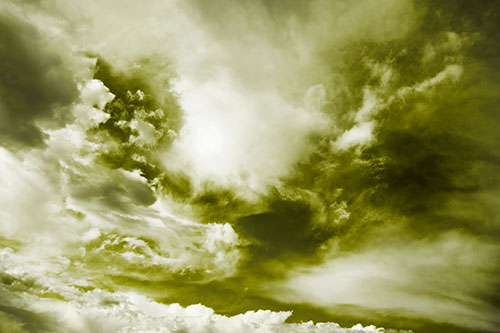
249,166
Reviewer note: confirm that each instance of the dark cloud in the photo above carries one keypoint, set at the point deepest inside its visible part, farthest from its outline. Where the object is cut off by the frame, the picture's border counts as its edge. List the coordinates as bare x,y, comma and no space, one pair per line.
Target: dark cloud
215,203
18,320
116,191
434,163
284,230
139,97
34,83
430,147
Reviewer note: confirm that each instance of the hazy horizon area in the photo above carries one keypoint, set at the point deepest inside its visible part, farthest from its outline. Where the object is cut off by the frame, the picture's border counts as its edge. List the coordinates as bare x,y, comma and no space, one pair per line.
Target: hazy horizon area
249,166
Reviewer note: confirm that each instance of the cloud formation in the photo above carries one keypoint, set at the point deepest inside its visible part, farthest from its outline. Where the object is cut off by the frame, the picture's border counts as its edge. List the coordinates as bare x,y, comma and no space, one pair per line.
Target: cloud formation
35,84
81,309
249,166
407,276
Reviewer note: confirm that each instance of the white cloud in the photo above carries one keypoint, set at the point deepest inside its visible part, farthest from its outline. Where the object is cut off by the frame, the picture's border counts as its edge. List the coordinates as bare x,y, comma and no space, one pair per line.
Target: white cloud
254,137
405,275
61,200
147,134
360,134
381,96
105,311
451,73
256,75
29,203
135,313
94,92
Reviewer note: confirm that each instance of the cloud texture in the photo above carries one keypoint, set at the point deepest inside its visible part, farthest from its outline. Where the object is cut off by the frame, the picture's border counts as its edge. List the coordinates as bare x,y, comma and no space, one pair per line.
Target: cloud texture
249,166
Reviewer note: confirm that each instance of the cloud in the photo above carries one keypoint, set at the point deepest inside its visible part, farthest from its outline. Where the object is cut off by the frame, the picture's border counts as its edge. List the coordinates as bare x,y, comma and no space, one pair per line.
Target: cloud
266,96
160,253
406,277
255,94
410,138
18,320
25,208
80,310
35,83
240,123
380,97
95,93
245,154
360,134
57,195
285,230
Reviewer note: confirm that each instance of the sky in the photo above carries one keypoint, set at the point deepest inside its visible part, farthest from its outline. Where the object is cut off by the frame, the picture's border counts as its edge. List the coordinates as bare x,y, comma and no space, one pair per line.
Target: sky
249,166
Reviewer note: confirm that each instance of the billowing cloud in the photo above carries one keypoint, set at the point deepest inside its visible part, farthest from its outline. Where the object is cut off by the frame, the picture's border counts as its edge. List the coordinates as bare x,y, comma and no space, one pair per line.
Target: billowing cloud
48,303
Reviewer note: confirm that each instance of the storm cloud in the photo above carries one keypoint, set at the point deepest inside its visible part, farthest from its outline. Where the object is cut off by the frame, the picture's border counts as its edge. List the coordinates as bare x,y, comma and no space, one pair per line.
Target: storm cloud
35,85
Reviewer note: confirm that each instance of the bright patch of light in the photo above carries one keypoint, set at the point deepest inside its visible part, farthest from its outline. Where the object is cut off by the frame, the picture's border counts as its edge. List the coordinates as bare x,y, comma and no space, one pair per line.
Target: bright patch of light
207,140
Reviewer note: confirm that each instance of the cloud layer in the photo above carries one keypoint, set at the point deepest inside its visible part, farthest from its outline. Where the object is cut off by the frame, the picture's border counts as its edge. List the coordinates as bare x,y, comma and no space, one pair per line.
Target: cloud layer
185,166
